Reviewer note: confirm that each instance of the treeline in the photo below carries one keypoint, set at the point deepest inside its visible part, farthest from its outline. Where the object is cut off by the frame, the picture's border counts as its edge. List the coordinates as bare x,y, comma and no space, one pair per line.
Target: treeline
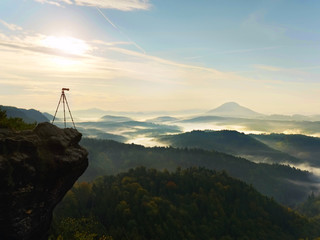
14,123
194,203
285,184
306,148
230,142
311,207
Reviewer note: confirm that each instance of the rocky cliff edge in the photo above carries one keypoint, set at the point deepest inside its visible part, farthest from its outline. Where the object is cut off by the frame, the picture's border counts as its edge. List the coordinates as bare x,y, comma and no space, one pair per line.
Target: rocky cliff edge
37,168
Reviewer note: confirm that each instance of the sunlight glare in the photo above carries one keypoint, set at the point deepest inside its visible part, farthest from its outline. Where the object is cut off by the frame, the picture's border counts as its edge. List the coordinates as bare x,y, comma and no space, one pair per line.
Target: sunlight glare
66,44
64,62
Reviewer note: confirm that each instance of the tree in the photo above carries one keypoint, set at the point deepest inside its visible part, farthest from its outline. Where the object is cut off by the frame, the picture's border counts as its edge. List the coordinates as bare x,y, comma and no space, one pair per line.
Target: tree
14,123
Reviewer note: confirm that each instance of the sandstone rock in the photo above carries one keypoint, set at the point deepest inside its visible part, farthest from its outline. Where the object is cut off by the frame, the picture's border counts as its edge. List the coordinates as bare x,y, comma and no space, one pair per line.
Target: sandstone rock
37,168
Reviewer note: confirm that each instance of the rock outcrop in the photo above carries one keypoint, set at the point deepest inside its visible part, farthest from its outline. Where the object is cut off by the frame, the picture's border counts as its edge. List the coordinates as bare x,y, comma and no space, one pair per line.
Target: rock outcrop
37,168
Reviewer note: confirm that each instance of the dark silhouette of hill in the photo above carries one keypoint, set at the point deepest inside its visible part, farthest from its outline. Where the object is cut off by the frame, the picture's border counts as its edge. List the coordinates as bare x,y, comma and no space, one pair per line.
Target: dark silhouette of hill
98,134
111,118
230,142
209,119
232,109
311,207
195,203
49,116
14,124
303,147
163,119
28,116
287,185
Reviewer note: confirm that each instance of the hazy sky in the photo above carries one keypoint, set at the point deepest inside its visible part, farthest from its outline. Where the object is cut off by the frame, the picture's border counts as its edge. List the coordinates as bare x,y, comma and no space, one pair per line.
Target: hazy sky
136,55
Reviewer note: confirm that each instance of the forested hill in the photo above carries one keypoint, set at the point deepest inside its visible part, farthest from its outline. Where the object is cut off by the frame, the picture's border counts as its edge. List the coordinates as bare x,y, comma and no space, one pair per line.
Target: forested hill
311,207
28,116
304,147
287,185
187,204
230,142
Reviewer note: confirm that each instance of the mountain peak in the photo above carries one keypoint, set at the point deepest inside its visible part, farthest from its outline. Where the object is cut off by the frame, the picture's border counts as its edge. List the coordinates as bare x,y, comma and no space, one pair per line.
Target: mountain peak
230,104
233,109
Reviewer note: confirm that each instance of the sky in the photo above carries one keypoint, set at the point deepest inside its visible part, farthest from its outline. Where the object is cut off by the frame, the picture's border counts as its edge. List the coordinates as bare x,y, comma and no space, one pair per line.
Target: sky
156,55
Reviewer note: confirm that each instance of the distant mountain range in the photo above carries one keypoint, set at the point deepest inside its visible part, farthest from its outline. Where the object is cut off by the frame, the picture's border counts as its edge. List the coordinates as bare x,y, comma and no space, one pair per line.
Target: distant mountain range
129,129
111,118
163,119
129,126
28,116
95,112
232,116
233,109
229,110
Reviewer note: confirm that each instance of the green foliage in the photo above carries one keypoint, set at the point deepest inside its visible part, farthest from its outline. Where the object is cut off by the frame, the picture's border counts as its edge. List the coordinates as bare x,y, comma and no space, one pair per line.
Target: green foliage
16,124
277,181
311,207
79,229
195,203
231,142
224,141
304,147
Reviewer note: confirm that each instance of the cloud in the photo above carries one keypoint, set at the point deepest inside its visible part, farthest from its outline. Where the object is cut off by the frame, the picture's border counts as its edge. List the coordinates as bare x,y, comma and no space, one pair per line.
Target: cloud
128,77
11,26
111,43
37,43
110,22
188,72
53,2
161,60
66,1
122,5
107,60
292,75
112,75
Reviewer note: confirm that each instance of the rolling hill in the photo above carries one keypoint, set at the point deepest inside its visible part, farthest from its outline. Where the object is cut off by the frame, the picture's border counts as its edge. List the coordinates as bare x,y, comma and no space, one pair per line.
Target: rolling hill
303,147
27,115
287,185
230,142
163,119
112,118
195,203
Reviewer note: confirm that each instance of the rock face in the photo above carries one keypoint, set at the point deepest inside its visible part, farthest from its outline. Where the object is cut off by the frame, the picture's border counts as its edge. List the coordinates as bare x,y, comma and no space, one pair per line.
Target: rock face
37,168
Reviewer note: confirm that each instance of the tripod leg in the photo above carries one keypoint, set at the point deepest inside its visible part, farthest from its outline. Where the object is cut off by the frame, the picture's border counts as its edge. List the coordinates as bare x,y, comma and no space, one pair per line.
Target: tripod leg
70,114
64,111
57,109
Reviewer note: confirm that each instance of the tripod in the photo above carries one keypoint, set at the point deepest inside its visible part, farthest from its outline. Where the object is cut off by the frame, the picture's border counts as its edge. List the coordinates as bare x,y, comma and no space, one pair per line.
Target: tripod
64,101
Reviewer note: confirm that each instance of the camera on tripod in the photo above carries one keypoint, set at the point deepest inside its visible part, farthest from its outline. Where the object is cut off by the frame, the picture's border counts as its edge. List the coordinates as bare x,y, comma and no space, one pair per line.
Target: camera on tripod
64,101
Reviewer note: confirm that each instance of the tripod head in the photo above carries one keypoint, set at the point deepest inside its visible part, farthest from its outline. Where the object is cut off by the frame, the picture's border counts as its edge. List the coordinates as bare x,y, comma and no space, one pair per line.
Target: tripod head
65,89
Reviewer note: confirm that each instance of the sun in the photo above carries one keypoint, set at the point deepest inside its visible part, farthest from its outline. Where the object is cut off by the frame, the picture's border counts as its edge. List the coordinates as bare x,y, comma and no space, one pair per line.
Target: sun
67,45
